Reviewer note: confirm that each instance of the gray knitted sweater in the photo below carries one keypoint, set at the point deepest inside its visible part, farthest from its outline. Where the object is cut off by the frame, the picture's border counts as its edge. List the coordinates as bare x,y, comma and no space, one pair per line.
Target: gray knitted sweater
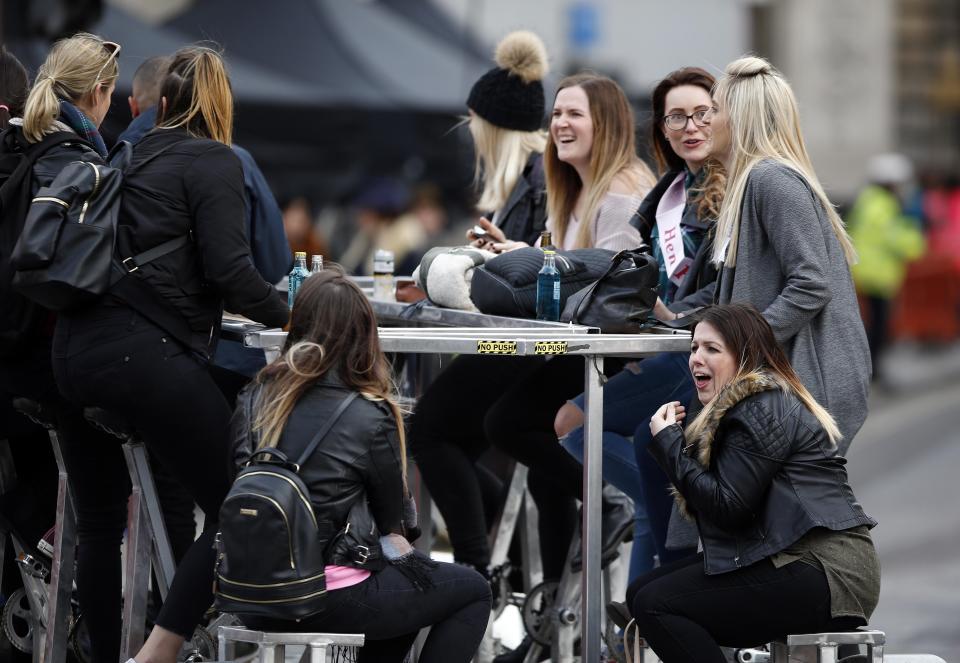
791,266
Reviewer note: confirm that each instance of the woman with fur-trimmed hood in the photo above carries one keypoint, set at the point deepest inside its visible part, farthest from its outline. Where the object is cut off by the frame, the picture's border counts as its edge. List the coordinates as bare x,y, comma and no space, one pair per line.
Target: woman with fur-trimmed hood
786,545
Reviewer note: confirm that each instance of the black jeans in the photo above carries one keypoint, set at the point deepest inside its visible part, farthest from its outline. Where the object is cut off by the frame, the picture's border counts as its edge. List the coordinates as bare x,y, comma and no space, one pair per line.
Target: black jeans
113,358
521,425
447,439
390,612
686,615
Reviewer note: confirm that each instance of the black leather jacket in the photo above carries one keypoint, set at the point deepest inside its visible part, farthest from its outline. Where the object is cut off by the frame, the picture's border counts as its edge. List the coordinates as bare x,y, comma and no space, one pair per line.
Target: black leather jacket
760,475
524,215
354,476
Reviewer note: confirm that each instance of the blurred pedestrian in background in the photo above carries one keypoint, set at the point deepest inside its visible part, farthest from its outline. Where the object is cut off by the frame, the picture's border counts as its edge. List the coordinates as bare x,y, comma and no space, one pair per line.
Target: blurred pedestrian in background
886,241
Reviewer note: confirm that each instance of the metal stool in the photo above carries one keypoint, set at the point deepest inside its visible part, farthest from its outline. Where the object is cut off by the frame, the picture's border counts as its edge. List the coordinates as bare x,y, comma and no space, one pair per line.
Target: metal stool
148,545
822,647
50,639
272,645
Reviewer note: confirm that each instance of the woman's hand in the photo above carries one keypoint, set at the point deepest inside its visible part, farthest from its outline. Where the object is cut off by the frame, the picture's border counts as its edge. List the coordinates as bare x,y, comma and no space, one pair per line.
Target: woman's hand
486,241
503,247
662,313
668,414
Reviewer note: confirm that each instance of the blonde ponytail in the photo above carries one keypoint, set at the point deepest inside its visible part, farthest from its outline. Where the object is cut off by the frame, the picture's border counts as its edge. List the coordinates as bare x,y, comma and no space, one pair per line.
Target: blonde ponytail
198,95
41,110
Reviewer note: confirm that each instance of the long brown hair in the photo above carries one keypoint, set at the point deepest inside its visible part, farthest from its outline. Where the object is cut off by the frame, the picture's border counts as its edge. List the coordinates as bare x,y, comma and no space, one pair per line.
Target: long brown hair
196,94
333,330
709,196
614,154
749,337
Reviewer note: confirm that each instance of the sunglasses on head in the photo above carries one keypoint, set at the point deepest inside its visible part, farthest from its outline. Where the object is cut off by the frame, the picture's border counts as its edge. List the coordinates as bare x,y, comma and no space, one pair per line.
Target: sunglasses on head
113,49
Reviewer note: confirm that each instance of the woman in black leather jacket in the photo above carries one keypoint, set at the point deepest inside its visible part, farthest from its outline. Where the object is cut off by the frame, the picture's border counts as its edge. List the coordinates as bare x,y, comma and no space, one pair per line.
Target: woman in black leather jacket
186,183
376,583
786,545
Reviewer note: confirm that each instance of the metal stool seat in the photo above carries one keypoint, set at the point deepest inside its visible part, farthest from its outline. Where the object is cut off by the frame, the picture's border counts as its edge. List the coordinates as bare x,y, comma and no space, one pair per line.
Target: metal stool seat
825,646
51,635
34,411
148,545
272,645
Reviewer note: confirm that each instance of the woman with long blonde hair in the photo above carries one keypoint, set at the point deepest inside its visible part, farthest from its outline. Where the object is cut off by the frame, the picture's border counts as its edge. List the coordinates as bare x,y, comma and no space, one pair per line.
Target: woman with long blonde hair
376,584
786,544
143,349
781,244
506,110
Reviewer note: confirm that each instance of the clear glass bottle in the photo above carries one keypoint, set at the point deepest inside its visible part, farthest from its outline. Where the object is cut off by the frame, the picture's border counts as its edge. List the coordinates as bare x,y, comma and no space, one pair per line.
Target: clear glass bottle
316,264
383,276
548,288
297,275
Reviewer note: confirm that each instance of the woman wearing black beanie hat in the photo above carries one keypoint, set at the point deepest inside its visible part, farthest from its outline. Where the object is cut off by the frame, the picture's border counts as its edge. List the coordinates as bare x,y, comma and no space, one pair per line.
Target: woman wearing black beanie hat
506,114
506,110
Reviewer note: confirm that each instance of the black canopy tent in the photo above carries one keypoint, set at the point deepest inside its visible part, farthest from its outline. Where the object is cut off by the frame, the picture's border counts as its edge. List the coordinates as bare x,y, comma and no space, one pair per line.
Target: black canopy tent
328,92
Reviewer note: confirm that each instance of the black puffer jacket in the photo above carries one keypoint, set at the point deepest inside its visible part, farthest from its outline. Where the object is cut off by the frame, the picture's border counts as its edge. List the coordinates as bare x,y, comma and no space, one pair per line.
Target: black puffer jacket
697,289
195,187
524,215
353,477
760,475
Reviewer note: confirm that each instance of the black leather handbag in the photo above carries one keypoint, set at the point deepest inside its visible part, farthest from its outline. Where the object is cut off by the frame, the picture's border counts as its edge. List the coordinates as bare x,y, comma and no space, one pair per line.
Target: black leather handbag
620,301
507,285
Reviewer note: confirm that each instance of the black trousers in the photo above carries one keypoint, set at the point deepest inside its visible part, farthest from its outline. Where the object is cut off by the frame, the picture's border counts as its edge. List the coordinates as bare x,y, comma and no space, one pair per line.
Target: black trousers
390,611
686,615
447,439
113,358
521,425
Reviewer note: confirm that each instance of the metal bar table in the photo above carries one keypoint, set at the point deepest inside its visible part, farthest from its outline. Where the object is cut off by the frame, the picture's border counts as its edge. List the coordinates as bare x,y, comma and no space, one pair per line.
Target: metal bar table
531,341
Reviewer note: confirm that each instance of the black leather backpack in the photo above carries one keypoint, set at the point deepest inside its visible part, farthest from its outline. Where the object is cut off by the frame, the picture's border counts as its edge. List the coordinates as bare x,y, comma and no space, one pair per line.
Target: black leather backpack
270,556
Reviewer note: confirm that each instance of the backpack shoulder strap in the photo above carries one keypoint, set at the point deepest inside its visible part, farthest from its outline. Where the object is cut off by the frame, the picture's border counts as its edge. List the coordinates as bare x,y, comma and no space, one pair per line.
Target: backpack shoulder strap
322,433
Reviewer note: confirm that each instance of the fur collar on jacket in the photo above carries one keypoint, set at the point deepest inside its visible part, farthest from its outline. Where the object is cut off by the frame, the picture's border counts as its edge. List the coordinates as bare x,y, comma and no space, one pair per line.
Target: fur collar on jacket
700,446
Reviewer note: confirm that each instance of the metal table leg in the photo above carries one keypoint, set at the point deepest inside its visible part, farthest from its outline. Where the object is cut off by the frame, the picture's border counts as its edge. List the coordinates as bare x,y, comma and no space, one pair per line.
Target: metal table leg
592,479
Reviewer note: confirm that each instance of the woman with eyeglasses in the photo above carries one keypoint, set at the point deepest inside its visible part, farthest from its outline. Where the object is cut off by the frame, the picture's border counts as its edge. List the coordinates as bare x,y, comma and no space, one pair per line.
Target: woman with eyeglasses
781,244
68,101
676,220
148,363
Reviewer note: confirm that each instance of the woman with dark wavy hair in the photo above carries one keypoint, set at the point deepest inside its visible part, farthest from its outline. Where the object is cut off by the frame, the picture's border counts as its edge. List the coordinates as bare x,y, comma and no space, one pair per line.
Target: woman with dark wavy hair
786,545
376,583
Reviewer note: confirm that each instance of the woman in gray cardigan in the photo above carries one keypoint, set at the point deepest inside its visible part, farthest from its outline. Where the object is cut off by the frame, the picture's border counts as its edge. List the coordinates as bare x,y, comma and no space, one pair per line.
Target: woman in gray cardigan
782,245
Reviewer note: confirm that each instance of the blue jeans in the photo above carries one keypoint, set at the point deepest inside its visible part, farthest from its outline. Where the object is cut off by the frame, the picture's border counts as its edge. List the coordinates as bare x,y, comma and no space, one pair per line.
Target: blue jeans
630,398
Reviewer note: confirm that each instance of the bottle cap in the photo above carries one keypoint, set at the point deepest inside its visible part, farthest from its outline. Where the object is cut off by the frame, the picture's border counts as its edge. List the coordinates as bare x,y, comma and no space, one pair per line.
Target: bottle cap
300,254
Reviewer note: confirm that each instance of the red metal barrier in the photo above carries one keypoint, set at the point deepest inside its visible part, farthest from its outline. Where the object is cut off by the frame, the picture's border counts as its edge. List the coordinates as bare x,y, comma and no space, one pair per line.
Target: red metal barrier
928,306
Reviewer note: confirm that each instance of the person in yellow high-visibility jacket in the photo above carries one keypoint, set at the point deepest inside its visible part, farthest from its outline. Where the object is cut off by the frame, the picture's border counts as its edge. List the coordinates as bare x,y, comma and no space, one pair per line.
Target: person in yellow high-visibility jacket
886,241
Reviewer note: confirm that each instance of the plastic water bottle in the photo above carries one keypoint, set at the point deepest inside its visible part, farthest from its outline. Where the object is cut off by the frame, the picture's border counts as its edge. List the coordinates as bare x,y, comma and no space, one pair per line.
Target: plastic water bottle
297,275
316,264
548,288
383,276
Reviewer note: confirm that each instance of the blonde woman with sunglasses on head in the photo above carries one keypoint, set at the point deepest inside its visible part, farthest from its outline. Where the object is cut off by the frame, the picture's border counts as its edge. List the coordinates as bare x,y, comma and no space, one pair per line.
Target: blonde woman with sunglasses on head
184,181
781,243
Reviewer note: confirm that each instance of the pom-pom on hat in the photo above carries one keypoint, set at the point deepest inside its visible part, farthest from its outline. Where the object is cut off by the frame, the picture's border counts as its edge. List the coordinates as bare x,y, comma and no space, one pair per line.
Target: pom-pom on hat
510,95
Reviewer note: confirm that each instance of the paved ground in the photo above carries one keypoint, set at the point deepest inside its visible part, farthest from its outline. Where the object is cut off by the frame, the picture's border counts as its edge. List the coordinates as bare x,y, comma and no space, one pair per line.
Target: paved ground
905,469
